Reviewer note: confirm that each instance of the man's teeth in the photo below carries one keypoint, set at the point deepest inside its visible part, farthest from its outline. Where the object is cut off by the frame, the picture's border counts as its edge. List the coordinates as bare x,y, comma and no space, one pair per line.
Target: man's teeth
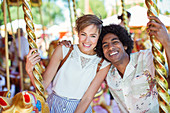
113,53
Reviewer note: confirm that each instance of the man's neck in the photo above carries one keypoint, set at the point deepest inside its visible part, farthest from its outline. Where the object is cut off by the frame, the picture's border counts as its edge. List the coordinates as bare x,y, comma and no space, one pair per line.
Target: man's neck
121,66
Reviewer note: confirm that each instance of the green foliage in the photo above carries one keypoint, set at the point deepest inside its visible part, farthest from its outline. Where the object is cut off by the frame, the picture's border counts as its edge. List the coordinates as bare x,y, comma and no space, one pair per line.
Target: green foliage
14,13
97,7
1,16
51,14
81,5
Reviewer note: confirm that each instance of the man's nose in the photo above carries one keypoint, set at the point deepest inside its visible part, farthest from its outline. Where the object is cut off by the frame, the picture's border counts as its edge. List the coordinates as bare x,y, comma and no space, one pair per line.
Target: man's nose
111,46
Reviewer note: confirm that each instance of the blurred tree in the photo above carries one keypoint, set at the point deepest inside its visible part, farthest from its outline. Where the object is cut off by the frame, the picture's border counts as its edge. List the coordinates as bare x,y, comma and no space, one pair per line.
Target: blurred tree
51,14
1,15
96,6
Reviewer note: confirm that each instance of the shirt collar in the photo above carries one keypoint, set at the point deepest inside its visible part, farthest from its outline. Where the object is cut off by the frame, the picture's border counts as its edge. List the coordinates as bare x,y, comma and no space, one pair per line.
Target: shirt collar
129,68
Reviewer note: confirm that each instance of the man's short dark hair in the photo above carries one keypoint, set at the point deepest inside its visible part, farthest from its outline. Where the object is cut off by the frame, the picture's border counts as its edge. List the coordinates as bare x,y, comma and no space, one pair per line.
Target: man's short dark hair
119,31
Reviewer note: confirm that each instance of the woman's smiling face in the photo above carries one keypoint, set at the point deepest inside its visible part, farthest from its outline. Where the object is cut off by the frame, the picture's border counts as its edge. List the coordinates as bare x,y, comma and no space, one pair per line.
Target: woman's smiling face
88,38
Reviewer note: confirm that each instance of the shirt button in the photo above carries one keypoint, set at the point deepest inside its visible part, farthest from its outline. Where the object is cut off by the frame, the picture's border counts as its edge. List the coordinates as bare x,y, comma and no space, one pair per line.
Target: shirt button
64,109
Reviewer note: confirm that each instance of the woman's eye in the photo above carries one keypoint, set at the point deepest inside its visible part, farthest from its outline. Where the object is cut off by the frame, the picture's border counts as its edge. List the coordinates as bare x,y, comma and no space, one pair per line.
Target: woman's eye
83,34
93,36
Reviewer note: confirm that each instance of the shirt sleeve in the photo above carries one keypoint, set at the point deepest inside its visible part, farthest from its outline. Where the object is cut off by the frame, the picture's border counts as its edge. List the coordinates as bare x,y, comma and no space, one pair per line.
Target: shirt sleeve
104,64
148,57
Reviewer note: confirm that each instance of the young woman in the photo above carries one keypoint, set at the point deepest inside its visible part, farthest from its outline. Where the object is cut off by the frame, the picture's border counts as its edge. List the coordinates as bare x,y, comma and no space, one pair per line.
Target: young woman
76,74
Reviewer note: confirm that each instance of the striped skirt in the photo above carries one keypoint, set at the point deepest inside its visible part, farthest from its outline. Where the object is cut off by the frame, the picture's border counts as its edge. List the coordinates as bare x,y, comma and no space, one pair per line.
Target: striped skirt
59,104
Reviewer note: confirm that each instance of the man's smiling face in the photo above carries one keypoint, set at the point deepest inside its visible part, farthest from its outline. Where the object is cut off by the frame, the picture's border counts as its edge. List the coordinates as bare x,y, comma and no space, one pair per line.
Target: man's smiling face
113,49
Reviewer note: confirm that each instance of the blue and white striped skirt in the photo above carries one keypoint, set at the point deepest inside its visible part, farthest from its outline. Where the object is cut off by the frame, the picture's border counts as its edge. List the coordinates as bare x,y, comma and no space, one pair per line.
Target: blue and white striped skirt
59,104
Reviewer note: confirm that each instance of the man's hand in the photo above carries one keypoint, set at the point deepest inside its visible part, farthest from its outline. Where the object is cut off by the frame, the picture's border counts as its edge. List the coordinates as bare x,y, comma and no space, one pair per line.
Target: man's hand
65,43
158,29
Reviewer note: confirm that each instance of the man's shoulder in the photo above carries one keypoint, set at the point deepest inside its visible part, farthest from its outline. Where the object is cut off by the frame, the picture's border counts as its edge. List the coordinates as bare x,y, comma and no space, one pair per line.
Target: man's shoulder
141,55
142,52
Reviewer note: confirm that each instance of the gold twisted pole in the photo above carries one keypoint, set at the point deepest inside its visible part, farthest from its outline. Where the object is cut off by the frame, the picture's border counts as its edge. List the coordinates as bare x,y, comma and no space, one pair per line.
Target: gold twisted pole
38,70
74,8
125,18
159,63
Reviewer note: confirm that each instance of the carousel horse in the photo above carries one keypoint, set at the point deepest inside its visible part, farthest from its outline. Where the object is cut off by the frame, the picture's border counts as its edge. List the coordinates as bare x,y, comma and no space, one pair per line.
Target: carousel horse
24,102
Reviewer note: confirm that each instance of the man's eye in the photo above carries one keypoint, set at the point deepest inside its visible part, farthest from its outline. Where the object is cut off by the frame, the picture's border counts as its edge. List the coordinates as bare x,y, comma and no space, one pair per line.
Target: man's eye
115,42
104,46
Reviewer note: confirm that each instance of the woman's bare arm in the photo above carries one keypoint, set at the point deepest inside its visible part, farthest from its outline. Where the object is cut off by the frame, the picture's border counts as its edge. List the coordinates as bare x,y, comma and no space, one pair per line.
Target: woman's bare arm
52,66
51,69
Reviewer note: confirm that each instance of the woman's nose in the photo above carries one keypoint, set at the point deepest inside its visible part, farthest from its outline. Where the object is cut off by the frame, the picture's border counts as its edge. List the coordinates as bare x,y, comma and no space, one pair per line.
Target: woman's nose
87,38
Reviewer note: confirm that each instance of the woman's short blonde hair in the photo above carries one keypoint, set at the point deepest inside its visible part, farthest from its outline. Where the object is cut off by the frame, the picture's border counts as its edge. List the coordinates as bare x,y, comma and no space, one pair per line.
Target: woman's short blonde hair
87,20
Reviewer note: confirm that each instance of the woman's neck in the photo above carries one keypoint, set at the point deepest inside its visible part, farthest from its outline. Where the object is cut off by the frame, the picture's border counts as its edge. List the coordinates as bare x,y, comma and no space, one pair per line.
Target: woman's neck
92,52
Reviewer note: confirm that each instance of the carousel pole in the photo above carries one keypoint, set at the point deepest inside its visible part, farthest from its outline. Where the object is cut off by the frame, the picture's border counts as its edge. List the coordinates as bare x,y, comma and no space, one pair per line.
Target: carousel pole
159,63
74,8
75,17
19,49
6,46
125,18
71,21
14,40
38,70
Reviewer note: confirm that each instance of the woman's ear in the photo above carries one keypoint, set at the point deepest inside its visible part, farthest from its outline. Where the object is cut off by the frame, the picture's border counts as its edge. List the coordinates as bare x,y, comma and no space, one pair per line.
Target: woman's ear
125,47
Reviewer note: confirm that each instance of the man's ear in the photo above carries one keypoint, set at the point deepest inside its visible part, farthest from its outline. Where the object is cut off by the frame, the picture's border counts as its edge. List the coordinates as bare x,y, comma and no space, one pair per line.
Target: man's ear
125,47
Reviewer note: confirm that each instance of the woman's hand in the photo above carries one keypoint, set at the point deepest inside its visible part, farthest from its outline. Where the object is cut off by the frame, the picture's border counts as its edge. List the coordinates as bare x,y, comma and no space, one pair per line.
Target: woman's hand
31,60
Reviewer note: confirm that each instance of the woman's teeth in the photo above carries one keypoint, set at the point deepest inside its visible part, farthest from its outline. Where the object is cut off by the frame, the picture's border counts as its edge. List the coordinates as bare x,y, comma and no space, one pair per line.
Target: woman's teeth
87,45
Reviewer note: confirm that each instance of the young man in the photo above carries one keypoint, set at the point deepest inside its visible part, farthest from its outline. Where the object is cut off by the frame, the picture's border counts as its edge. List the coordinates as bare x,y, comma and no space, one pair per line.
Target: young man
131,77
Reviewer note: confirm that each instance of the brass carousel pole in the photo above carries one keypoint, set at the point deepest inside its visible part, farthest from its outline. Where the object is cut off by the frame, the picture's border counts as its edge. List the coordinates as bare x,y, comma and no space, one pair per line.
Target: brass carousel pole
74,8
71,20
125,18
19,49
75,17
6,46
38,70
159,63
14,40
